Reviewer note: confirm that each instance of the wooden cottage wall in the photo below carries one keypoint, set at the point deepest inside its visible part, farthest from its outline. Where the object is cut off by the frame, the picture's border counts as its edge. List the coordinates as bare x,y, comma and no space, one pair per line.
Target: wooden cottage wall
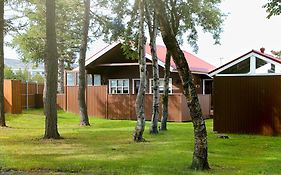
248,104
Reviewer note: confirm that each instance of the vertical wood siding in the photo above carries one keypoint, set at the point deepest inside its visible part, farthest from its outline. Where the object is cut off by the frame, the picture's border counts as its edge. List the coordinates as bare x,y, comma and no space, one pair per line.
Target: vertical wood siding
96,100
249,104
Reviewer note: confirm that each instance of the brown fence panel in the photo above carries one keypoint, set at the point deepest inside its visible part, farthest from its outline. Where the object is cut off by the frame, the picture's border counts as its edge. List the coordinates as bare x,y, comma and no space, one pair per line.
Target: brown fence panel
97,101
12,102
40,88
34,101
61,101
72,99
118,106
205,103
249,104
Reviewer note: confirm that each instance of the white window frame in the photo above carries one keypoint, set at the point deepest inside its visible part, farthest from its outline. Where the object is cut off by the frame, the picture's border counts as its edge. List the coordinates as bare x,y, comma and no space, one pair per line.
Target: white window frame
161,79
204,86
133,84
109,85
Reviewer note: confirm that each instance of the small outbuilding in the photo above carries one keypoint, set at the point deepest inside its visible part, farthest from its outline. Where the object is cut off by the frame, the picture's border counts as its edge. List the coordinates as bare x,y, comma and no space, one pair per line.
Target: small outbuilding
247,95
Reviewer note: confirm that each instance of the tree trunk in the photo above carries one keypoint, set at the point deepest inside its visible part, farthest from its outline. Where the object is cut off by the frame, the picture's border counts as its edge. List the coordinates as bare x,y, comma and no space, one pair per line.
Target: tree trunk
200,154
166,92
61,76
51,61
139,129
84,119
152,27
2,113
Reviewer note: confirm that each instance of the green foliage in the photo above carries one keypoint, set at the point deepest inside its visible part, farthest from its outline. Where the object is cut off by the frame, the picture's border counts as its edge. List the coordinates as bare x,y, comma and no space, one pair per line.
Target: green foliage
22,75
186,18
100,150
30,42
276,53
8,73
273,7
121,24
38,78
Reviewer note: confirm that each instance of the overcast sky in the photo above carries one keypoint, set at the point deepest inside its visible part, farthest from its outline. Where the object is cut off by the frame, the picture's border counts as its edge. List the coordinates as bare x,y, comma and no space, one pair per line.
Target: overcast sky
245,28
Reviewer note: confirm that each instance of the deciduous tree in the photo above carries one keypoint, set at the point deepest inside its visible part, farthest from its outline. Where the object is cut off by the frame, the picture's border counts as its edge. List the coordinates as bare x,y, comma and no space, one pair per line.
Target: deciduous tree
273,7
30,38
177,17
152,28
165,97
139,129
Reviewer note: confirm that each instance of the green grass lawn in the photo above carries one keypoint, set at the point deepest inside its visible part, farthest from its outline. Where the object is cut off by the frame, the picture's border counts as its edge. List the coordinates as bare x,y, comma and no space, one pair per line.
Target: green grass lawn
107,148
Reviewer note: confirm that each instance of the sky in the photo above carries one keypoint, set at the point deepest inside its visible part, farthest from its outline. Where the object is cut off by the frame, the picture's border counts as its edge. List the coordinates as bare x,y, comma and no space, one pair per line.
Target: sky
245,28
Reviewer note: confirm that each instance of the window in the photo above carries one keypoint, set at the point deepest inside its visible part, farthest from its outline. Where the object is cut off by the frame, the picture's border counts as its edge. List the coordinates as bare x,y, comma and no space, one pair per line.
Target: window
97,80
136,86
161,86
89,80
70,78
242,68
119,86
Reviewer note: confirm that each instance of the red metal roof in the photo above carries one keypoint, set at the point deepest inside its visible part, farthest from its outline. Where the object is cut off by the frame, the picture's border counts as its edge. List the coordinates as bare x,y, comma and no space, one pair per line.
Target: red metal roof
195,64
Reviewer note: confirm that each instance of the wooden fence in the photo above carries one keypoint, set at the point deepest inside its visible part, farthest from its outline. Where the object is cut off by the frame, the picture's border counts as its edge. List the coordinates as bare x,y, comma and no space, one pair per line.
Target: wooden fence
12,96
32,95
247,104
20,95
122,106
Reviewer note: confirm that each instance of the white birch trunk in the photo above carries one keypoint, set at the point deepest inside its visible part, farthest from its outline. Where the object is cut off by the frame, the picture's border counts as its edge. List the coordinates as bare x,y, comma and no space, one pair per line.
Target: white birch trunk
140,125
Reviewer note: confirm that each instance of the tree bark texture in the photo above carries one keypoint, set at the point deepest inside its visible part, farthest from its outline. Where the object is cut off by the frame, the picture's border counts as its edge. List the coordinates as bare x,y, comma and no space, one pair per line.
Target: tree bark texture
200,154
165,104
51,61
2,113
139,105
84,119
152,26
61,76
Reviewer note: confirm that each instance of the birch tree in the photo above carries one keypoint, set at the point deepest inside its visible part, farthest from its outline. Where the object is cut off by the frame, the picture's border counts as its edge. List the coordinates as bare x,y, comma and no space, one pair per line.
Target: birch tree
180,16
84,119
165,97
140,126
152,28
2,113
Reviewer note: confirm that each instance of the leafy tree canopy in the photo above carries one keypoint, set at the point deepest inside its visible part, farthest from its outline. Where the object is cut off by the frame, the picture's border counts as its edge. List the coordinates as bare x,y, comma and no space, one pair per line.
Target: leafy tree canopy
273,7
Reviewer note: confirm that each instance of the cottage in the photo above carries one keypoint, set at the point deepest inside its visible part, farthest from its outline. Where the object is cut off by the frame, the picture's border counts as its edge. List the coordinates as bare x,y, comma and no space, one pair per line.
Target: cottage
247,96
119,77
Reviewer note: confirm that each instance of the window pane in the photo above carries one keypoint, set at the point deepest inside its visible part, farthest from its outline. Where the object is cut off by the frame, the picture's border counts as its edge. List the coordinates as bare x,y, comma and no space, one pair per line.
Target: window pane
119,90
97,80
125,90
89,79
161,83
136,86
113,90
113,82
126,83
119,82
70,79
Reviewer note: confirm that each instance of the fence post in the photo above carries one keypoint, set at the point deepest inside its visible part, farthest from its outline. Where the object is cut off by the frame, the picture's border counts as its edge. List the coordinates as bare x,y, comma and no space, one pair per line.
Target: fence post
27,94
